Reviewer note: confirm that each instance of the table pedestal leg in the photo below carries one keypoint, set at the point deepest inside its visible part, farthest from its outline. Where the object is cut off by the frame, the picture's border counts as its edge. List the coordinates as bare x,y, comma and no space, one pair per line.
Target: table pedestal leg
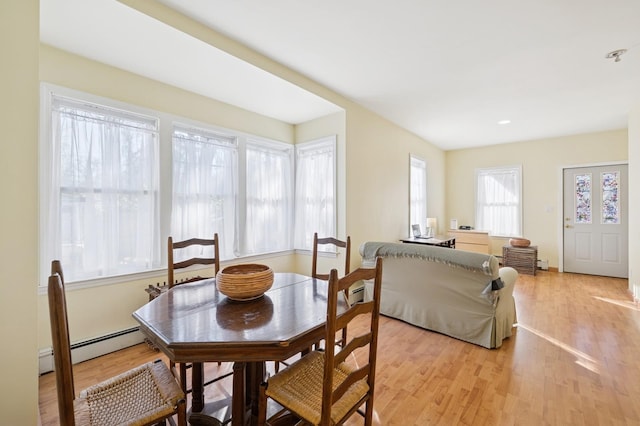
238,398
197,387
255,376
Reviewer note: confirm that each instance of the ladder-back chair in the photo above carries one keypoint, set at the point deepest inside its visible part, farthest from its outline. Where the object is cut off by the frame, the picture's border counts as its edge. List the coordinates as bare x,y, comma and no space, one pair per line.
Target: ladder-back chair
193,248
145,395
326,387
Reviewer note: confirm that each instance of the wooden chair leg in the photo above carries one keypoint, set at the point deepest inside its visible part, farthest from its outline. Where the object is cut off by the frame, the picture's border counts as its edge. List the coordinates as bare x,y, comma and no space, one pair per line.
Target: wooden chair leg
262,405
182,412
368,417
183,377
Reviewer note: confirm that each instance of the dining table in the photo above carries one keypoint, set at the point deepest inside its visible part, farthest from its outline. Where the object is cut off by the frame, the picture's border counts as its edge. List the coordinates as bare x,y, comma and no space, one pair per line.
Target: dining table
196,323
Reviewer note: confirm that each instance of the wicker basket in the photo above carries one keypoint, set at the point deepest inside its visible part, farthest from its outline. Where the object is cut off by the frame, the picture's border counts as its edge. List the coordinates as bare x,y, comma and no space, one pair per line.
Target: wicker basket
244,282
519,242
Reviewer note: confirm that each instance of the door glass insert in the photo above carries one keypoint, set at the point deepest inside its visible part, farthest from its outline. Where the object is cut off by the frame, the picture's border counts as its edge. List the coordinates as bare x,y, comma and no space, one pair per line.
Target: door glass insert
583,198
610,202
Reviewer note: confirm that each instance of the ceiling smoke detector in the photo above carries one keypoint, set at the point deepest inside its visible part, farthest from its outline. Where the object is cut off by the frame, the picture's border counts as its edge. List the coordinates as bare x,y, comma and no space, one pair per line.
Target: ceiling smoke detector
616,54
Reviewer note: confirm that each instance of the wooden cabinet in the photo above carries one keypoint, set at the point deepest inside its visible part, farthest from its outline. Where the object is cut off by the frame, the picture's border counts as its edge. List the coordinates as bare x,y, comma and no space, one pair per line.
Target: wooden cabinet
472,240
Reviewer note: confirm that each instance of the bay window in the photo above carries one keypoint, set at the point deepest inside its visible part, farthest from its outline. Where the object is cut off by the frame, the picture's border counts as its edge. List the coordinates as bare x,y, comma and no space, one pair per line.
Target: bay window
107,205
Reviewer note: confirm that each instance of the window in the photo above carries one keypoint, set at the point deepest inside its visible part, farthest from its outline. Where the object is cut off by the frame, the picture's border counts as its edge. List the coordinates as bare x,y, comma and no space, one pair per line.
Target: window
205,187
315,191
499,201
418,193
102,204
269,198
236,186
116,180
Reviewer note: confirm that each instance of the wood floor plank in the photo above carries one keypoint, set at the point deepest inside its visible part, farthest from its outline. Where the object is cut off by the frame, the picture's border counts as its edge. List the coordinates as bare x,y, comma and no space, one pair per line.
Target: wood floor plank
573,360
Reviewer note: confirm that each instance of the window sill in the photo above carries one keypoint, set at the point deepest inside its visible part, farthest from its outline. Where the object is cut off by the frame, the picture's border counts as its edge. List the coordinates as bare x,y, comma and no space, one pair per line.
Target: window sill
156,275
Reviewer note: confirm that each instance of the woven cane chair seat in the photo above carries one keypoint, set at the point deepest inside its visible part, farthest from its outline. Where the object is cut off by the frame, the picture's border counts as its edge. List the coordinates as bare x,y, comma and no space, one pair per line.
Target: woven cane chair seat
326,387
139,396
299,388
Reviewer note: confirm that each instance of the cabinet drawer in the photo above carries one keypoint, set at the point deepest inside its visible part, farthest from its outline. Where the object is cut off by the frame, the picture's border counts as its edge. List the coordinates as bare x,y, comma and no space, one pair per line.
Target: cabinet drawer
477,241
472,238
478,248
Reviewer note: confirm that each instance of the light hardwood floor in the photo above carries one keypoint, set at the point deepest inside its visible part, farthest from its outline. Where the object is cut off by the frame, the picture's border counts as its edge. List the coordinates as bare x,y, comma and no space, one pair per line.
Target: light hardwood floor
574,359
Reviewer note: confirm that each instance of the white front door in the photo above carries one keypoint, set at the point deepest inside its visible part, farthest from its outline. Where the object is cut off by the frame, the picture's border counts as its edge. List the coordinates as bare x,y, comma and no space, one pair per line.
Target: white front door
596,220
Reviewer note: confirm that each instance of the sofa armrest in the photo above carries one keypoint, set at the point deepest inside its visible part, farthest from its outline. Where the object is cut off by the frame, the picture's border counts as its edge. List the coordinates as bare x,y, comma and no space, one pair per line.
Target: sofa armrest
508,275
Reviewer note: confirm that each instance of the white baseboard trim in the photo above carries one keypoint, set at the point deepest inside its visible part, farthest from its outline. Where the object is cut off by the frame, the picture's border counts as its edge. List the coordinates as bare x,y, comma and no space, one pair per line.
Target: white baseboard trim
92,348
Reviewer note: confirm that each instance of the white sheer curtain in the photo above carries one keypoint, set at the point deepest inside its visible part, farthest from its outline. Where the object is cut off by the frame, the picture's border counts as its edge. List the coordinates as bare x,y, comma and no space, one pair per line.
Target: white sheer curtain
269,198
498,201
205,170
103,207
418,193
315,202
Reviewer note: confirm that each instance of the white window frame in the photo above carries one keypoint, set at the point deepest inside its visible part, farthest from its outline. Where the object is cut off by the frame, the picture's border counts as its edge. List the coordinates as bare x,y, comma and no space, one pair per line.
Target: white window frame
225,224
48,249
165,135
325,220
503,201
417,197
282,225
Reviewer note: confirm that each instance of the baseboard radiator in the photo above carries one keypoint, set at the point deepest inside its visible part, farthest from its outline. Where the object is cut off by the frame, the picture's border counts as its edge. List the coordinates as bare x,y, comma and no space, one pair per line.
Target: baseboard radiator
92,348
356,293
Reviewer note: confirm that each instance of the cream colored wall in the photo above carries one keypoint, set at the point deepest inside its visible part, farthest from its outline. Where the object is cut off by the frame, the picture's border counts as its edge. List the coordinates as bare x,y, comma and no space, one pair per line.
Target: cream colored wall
634,201
18,215
542,162
75,72
378,178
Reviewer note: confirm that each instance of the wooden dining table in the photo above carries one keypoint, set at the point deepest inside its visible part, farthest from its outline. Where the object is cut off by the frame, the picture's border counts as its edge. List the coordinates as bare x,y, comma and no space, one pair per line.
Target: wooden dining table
195,323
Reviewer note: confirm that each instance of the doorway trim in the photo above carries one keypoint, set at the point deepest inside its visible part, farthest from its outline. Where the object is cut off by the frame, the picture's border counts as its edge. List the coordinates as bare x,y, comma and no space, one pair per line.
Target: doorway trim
561,203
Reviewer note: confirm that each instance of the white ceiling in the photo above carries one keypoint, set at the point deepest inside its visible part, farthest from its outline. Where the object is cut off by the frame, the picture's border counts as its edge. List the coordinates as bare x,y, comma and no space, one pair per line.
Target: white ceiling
446,71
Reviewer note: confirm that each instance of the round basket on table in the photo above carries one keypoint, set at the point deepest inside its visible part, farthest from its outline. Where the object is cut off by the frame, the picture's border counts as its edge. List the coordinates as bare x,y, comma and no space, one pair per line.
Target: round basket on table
519,242
244,282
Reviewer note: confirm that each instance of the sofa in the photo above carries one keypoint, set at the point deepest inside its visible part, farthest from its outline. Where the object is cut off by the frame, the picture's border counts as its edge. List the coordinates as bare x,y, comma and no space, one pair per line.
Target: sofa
458,293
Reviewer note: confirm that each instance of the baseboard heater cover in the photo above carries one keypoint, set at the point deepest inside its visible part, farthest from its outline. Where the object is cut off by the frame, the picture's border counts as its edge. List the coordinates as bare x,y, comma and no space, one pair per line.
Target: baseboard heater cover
356,294
95,347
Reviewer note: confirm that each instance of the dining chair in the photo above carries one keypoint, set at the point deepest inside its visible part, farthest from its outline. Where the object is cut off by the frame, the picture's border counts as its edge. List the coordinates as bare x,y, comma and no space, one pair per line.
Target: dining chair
317,242
190,253
326,387
329,241
346,245
145,395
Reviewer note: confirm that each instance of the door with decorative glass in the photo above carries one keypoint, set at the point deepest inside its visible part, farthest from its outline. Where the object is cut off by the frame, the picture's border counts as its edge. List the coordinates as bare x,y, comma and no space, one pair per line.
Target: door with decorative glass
595,231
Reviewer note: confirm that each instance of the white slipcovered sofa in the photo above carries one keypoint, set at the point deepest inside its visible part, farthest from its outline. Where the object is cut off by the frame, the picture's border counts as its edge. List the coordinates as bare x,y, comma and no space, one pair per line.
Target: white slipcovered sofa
458,293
